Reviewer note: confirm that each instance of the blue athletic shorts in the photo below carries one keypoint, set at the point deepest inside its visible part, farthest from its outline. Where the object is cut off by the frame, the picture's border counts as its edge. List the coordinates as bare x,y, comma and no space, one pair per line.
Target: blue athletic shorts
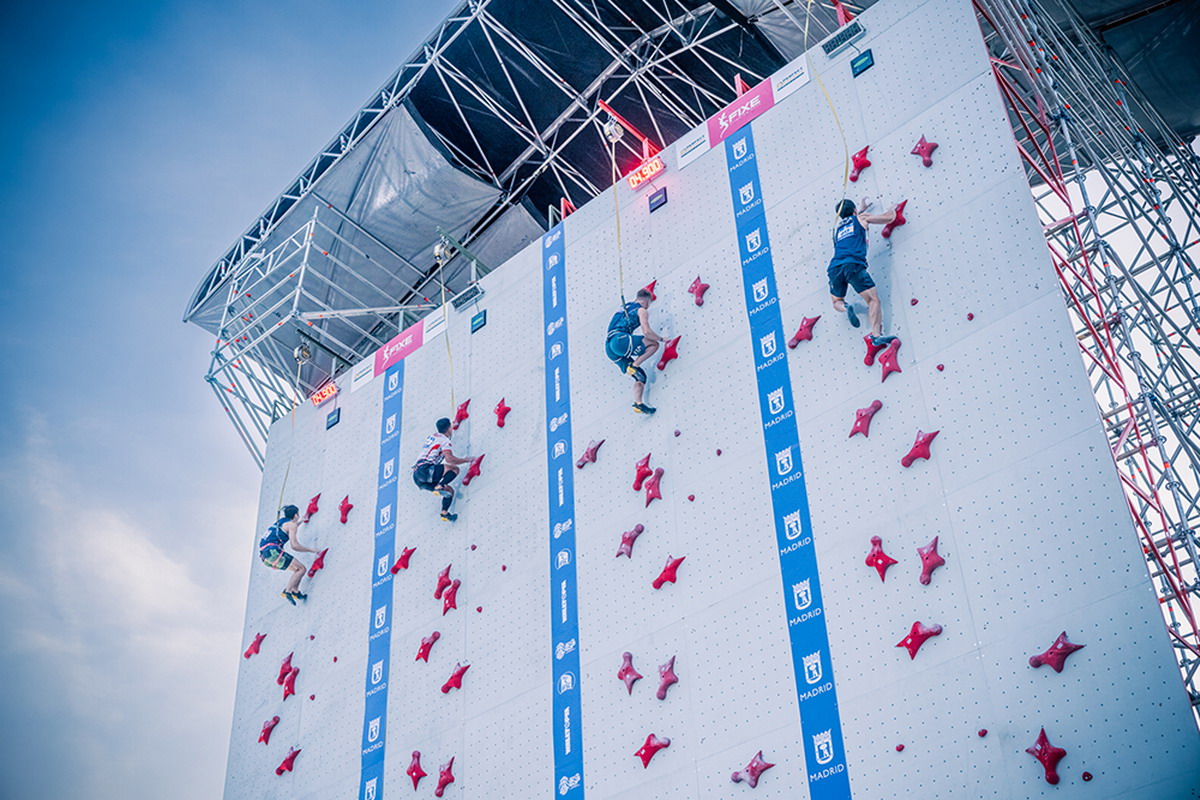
622,348
852,273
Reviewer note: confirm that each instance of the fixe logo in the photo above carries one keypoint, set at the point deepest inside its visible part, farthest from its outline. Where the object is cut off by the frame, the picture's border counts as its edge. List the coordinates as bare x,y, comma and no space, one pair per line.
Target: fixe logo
740,110
391,349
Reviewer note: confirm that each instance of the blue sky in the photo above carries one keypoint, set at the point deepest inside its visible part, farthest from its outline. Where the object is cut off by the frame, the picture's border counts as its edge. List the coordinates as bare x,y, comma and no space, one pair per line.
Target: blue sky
139,140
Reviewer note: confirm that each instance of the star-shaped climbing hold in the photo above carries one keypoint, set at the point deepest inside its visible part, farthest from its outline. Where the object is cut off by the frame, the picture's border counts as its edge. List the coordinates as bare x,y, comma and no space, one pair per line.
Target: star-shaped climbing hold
653,745
888,360
925,149
649,287
627,673
1056,656
288,761
670,353
920,449
589,455
861,162
930,560
252,650
698,288
879,559
653,488
643,471
627,540
445,778
501,412
402,561
344,507
666,677
862,419
414,770
897,222
753,770
473,470
443,582
426,646
917,636
805,332
1048,754
450,598
668,572
461,415
265,735
455,679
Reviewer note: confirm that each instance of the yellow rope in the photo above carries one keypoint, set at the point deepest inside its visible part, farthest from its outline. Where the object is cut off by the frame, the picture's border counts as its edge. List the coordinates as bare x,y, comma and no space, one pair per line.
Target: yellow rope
837,121
446,335
617,213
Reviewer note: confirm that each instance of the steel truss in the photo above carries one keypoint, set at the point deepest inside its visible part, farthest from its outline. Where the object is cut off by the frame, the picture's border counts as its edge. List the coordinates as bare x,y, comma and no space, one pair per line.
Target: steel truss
1119,197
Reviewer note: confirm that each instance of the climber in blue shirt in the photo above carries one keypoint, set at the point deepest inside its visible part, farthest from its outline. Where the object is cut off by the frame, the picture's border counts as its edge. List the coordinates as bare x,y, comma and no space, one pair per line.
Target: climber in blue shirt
271,552
629,351
848,267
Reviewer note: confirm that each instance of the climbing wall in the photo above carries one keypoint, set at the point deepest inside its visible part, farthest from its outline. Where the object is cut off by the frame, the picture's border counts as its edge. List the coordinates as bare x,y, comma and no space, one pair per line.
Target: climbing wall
835,580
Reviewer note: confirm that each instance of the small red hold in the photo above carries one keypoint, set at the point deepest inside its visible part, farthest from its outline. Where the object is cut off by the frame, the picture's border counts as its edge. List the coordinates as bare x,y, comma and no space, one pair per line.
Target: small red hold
888,361
899,748
268,726
285,667
917,637
589,455
667,678
312,508
879,559
427,645
920,448
311,637
252,650
450,598
335,659
804,333
718,451
649,287
981,733
860,163
698,288
473,547
627,673
930,560
925,149
970,317
479,609
1056,656
445,778
443,582
897,222
312,697
1048,755
670,353
653,745
414,770
668,572
504,567
753,771
402,561
862,419
872,350
912,302
289,683
473,470
288,761
677,432
941,367
1087,776
691,498
461,414
455,679
653,488
627,540
643,472
501,412
318,563
344,507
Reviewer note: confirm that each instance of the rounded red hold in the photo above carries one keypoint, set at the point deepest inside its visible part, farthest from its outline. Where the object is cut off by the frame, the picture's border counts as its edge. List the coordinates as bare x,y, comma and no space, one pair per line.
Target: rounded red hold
479,609
970,317
312,697
1087,776
504,567
691,498
472,547
941,367
912,302
718,452
311,637
899,748
676,433
335,659
982,732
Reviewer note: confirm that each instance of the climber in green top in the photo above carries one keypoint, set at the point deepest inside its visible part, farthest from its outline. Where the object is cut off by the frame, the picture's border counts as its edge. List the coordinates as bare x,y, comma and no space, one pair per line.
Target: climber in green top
629,351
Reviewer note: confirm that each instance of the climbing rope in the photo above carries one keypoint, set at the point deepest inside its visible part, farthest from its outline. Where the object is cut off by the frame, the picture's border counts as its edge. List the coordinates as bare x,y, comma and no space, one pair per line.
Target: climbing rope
829,100
301,354
613,132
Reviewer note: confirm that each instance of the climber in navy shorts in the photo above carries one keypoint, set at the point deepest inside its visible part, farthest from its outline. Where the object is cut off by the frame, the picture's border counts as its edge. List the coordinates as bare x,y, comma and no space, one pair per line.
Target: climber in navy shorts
848,267
628,350
271,551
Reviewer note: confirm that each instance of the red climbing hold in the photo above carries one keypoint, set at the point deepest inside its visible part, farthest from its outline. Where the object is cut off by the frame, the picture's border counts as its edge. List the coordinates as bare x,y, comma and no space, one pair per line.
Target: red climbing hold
888,361
473,470
1087,776
414,770
402,561
930,560
668,572
941,367
653,745
677,432
627,673
285,667
445,778
920,449
879,559
268,726
925,149
461,414
698,288
450,598
899,748
1056,656
443,582
344,507
252,650
970,317
649,287
917,636
289,683
861,162
627,540
670,353
872,350
805,332
643,472
982,732
897,222
1048,755
691,498
312,508
426,646
312,697
753,771
862,419
288,761
653,490
501,412
912,302
589,455
318,563
455,679
667,678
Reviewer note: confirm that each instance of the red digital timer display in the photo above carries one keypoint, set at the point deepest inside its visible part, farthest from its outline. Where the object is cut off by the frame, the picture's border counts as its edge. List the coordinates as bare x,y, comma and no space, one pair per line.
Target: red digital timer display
324,393
645,172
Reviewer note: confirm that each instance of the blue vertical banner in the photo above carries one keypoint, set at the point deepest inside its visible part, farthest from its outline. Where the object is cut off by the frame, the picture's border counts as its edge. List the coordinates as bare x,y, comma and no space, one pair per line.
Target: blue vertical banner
820,723
379,645
564,611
